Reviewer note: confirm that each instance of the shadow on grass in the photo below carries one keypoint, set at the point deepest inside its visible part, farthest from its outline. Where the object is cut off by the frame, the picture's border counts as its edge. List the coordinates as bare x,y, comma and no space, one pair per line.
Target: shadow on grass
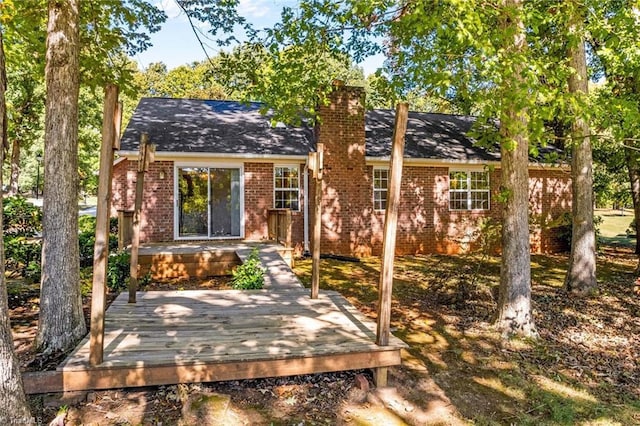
620,240
584,367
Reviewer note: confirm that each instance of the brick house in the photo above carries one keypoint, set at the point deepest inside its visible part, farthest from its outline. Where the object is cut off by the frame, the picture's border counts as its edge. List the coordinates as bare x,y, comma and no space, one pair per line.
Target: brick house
220,167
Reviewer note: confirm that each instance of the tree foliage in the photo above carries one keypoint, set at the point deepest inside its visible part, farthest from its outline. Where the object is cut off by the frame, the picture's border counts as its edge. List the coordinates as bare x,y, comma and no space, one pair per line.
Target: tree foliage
109,31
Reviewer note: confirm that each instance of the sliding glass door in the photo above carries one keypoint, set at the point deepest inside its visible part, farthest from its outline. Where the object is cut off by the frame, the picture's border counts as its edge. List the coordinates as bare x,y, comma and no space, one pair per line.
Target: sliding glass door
209,202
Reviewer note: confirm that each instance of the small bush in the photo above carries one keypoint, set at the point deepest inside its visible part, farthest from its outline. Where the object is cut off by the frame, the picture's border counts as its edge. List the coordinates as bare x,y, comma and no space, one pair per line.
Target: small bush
21,218
87,240
118,271
631,230
564,228
33,271
86,224
22,256
489,235
249,275
113,227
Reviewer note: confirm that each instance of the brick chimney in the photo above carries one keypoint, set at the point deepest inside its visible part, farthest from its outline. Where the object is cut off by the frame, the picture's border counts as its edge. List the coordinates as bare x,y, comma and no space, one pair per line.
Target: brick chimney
347,191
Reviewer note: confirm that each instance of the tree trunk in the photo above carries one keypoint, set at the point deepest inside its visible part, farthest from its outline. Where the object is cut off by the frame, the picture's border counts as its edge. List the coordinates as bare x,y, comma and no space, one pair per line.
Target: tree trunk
13,404
61,322
633,166
581,273
514,300
15,168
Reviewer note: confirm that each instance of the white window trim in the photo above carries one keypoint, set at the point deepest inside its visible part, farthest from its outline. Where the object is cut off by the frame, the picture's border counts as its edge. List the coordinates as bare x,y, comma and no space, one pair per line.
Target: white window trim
297,167
176,219
373,183
469,191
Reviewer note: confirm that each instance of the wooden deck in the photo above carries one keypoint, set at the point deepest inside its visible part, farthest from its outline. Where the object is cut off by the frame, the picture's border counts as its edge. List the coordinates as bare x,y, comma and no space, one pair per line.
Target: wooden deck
207,335
184,260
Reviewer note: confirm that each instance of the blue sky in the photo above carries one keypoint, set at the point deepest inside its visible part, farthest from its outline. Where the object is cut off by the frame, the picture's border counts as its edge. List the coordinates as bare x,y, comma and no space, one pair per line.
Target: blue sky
176,44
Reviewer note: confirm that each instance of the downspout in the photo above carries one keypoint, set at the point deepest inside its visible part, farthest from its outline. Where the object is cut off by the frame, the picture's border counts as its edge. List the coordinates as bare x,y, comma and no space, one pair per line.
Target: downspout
306,209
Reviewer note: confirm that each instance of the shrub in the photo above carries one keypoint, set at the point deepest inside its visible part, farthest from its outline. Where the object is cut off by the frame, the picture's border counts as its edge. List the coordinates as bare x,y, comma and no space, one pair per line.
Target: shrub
33,271
21,218
631,230
118,271
249,275
22,256
489,236
87,239
563,226
86,224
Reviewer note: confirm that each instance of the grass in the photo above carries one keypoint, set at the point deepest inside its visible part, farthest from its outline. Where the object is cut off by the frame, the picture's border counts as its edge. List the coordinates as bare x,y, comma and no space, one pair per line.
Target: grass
614,226
582,370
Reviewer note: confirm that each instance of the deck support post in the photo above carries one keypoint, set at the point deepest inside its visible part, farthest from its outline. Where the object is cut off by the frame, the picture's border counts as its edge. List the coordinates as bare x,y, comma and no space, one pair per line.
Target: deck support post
316,165
145,156
389,239
110,135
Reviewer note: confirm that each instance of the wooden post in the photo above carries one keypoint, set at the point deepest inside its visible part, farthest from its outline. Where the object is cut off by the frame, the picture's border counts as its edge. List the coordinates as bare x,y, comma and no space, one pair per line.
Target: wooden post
389,238
145,156
288,220
316,160
110,134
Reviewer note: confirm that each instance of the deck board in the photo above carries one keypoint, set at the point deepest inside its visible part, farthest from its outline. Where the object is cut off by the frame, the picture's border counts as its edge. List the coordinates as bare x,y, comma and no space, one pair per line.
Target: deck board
228,333
210,335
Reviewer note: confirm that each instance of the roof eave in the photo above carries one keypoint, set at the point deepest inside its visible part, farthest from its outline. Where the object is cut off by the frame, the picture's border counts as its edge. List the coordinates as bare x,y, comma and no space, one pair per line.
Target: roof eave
439,162
165,155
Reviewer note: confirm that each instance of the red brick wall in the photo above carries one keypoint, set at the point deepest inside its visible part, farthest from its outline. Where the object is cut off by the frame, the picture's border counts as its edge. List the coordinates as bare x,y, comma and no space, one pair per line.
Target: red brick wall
549,198
346,204
157,202
425,223
157,206
259,197
123,186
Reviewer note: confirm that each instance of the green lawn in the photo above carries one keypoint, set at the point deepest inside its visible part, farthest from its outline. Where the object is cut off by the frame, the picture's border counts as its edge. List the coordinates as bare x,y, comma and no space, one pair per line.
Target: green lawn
614,226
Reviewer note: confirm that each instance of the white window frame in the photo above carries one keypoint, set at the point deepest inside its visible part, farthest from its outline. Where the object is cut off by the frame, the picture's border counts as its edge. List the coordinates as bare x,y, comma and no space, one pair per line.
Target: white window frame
384,191
275,188
468,190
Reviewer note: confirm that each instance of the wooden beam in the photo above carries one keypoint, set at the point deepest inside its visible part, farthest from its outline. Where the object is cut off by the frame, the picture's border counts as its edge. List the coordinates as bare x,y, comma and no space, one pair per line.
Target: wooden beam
110,133
317,158
119,109
389,238
119,377
144,157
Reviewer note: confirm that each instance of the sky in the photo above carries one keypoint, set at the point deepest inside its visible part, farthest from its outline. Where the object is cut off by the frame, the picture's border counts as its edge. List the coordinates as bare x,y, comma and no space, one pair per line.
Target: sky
175,44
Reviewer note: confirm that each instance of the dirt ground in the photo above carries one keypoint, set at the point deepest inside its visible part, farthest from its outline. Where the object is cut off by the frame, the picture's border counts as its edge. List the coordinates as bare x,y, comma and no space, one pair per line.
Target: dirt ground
457,370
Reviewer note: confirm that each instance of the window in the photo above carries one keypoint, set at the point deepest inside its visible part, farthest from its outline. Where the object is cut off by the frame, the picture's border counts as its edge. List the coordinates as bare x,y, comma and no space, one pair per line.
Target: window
468,190
286,188
380,186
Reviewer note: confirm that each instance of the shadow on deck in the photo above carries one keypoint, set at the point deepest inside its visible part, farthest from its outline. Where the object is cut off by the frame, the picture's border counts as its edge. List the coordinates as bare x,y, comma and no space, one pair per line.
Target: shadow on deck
173,337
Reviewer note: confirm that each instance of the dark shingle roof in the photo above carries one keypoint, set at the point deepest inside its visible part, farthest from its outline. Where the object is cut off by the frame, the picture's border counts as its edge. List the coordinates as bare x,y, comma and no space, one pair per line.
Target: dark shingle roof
217,127
431,136
230,127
